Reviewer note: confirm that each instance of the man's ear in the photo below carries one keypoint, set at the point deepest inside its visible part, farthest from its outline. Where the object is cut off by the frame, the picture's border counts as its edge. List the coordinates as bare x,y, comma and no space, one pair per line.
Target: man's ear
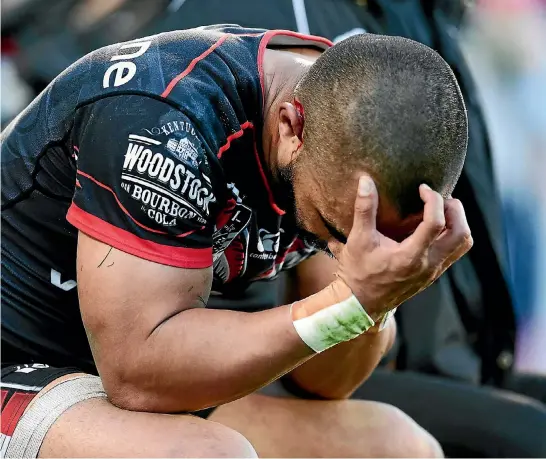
290,132
291,124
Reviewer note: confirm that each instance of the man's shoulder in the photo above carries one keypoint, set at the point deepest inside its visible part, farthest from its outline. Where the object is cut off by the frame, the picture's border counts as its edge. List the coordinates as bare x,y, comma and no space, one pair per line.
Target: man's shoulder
156,65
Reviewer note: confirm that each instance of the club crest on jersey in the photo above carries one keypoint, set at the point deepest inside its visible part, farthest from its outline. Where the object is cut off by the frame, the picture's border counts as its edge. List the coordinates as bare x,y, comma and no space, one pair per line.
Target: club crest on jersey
238,220
236,217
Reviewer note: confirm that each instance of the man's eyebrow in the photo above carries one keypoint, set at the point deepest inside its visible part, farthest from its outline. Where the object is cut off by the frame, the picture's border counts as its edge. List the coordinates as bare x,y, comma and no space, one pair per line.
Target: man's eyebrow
333,230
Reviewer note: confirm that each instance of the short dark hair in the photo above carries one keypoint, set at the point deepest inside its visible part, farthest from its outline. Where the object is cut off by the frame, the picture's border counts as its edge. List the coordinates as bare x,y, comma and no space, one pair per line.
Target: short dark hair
392,105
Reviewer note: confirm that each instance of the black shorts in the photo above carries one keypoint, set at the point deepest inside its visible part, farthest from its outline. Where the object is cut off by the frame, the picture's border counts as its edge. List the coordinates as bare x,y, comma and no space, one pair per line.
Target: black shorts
21,383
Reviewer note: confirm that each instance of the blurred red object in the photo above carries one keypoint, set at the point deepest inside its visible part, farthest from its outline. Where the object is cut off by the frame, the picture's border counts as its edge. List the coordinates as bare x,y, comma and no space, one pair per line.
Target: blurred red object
8,46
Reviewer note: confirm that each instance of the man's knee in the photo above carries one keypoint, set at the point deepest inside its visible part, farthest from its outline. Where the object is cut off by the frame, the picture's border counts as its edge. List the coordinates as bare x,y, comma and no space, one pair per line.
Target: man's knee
403,437
218,441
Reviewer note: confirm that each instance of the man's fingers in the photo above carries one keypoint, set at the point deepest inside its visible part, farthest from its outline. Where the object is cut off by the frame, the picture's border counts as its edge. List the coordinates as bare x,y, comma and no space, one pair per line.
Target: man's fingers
456,239
366,203
432,225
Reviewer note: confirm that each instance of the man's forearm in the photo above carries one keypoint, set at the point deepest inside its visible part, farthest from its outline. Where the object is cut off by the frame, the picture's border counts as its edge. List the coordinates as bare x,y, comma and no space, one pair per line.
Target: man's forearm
339,371
202,358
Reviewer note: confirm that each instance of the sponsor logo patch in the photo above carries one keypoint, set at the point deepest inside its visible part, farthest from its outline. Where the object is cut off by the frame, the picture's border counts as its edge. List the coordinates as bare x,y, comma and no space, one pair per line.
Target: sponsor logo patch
167,189
124,70
268,245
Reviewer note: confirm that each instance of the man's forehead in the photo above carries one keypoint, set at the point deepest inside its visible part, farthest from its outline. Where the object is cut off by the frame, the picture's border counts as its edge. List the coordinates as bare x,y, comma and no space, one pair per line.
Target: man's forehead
337,211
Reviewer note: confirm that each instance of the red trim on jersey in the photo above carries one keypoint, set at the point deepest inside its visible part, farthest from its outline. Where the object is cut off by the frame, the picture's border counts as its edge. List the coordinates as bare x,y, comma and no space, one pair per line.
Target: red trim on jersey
193,63
225,213
261,51
13,411
272,33
180,257
106,187
227,145
125,211
236,135
296,246
4,395
272,203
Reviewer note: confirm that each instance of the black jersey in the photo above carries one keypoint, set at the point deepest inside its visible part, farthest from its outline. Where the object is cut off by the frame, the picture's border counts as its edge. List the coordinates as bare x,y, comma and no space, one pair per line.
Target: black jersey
151,146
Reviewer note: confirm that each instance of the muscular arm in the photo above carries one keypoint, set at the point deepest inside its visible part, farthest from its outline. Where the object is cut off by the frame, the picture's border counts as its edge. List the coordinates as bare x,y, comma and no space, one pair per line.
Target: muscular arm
156,347
339,371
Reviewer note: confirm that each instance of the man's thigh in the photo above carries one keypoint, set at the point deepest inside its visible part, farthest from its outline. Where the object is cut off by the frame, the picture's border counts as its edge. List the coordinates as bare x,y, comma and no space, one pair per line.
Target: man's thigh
281,425
96,428
67,414
70,416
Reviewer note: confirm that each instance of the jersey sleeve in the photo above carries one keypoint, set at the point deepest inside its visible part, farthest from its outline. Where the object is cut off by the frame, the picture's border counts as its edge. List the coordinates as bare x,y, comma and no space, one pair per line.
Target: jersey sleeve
143,183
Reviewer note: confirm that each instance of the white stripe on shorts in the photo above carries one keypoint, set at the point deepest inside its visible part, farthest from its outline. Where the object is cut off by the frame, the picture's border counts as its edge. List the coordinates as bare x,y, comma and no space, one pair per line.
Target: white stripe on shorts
21,387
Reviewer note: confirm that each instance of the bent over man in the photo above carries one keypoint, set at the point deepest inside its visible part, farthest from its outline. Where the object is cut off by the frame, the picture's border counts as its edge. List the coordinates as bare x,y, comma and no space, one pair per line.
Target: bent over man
154,173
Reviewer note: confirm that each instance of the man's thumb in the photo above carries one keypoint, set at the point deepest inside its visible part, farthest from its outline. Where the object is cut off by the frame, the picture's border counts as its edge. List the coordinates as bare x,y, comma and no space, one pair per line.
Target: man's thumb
366,203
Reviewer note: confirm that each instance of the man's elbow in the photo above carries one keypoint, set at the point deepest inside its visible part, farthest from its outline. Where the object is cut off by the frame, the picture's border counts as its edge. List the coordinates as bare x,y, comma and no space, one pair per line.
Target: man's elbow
137,392
132,399
129,392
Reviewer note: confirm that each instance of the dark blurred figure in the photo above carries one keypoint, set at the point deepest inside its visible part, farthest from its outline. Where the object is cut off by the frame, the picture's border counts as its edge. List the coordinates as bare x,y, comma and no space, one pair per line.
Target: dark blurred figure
455,337
52,35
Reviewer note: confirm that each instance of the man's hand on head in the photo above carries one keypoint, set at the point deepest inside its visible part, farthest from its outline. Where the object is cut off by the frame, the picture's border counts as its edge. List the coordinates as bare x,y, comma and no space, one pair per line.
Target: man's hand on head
383,273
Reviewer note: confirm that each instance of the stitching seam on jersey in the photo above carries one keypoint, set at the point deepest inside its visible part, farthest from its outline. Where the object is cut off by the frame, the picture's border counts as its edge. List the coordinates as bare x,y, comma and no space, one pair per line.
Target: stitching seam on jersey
33,176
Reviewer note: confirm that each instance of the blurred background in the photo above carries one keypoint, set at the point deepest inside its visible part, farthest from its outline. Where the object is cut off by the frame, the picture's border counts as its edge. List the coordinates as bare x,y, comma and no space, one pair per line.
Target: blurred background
502,44
482,326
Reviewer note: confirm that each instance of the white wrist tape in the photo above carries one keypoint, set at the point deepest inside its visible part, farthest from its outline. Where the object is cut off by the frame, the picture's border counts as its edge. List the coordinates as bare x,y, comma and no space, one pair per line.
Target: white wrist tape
385,319
334,324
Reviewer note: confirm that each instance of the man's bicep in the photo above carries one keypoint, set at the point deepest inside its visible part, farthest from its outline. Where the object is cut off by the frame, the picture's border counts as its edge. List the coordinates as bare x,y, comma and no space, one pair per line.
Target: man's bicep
125,299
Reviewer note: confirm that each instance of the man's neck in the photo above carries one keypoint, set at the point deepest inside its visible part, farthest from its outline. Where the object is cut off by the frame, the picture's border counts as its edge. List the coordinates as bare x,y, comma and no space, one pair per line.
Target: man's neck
283,69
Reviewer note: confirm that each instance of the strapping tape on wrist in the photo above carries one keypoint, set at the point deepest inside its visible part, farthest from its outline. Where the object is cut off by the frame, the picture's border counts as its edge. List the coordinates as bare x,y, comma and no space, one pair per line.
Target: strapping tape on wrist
385,319
332,325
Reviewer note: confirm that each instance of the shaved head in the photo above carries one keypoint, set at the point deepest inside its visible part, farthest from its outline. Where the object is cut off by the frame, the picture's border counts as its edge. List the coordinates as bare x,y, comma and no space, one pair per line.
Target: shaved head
387,105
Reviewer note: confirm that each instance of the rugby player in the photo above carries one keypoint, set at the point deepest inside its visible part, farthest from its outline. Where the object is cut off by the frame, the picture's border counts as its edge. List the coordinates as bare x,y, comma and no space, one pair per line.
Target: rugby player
154,173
